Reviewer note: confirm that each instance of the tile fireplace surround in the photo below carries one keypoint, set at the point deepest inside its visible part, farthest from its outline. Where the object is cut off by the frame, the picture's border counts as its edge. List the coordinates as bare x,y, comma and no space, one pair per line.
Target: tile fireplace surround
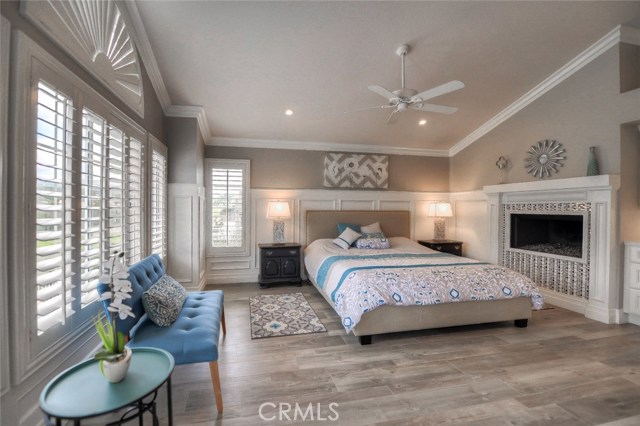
590,285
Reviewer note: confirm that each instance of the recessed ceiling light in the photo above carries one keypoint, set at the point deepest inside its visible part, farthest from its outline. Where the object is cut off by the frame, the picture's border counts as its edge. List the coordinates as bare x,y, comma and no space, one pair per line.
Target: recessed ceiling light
288,112
422,122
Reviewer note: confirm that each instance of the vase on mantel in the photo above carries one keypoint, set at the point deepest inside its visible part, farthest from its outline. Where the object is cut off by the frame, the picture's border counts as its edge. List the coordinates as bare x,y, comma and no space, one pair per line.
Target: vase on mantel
592,166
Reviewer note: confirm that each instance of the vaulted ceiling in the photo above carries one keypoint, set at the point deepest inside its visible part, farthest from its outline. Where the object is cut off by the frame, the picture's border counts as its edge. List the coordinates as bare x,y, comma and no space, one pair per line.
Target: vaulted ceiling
245,63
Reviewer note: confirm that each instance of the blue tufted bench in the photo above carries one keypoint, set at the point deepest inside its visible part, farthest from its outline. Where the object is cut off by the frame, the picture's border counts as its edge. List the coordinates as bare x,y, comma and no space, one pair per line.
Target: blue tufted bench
192,338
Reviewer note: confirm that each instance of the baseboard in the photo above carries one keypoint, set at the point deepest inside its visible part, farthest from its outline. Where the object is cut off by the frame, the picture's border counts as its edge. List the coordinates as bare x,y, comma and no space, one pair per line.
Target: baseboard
232,278
567,302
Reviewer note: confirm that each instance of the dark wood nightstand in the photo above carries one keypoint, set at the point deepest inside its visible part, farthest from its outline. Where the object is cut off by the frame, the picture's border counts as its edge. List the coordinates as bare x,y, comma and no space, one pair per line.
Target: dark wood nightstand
279,263
445,246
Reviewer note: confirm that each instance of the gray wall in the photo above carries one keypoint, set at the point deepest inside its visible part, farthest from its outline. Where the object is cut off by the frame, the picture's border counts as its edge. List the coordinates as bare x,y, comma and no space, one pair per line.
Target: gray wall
186,150
630,183
585,110
629,67
298,169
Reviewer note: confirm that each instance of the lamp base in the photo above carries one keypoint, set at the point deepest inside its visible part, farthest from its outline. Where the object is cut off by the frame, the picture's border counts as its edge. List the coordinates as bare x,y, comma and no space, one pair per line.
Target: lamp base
439,228
278,231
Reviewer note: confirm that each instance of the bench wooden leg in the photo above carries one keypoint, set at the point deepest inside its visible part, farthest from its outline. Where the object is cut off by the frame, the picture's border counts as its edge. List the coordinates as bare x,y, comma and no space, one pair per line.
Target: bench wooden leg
215,380
223,322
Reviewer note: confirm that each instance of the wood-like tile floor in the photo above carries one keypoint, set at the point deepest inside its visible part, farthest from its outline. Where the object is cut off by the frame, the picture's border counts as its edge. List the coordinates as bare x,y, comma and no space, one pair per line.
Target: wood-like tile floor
562,370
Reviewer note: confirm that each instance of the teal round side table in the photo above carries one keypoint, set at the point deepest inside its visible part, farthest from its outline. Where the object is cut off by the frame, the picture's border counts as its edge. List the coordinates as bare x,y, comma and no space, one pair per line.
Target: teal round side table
81,392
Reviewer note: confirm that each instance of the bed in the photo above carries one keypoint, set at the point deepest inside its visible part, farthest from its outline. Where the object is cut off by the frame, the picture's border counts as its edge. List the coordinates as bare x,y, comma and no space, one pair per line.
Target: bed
385,317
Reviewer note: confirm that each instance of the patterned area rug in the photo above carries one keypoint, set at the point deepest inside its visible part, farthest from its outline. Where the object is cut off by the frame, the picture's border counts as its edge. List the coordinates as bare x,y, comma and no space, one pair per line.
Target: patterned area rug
282,315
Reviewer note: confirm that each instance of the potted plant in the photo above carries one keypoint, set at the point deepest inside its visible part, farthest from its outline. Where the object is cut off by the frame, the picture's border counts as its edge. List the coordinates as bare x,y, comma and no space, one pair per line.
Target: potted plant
115,356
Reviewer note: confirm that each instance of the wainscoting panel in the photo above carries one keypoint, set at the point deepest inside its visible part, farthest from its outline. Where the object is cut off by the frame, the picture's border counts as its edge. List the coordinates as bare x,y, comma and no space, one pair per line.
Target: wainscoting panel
471,219
185,248
358,205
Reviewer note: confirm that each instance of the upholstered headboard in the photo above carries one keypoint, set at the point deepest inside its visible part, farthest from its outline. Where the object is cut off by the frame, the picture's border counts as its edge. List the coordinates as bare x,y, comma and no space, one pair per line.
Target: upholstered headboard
324,223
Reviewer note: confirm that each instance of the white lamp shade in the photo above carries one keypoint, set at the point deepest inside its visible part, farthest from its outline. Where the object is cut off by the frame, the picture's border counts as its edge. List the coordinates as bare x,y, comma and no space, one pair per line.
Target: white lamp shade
440,209
278,210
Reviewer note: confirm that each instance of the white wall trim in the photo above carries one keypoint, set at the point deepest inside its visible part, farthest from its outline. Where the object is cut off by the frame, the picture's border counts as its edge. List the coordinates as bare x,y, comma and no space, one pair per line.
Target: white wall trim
196,112
325,146
570,68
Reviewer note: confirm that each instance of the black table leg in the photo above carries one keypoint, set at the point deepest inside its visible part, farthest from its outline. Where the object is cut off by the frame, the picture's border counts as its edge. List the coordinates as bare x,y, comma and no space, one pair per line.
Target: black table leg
170,406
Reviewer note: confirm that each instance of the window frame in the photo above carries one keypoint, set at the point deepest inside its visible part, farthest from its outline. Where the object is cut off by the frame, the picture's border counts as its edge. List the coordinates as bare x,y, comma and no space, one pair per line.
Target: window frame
245,165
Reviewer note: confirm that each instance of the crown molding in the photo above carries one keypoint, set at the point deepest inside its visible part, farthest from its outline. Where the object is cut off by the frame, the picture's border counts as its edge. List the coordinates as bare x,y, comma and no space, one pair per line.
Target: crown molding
141,40
595,50
325,146
196,112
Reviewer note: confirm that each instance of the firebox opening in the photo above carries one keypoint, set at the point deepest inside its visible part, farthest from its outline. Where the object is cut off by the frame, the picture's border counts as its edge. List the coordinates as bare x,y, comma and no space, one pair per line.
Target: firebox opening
548,233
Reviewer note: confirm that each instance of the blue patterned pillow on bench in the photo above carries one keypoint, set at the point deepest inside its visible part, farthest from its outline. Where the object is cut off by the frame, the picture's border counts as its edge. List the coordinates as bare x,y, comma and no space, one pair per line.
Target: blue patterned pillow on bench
163,301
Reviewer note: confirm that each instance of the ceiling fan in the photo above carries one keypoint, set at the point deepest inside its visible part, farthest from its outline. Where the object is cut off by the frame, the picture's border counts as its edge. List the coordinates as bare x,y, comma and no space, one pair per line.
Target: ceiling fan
405,98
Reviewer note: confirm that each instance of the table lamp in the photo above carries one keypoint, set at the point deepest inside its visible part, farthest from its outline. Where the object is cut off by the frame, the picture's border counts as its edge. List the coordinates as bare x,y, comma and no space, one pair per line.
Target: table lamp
440,210
278,211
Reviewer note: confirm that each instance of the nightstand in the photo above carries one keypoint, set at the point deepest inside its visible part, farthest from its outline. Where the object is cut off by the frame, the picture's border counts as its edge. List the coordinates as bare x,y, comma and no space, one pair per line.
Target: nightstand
445,246
279,263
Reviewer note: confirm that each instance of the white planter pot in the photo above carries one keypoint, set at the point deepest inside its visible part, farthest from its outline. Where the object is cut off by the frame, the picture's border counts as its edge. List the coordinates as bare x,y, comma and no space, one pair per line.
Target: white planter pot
116,371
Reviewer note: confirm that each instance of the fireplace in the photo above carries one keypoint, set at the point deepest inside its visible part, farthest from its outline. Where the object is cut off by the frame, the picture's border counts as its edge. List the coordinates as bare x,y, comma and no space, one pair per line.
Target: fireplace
553,234
588,284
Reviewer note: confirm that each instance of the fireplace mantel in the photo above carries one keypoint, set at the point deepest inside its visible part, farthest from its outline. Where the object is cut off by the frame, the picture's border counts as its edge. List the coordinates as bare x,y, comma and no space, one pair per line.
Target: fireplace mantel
601,192
611,182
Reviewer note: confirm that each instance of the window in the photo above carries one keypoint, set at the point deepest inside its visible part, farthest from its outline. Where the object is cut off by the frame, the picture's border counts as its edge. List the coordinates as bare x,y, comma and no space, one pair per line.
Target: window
88,190
78,177
159,199
227,198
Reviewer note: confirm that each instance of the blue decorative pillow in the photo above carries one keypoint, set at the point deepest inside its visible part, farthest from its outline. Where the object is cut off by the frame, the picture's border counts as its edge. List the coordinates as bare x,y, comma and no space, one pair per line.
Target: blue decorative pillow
163,301
373,243
343,226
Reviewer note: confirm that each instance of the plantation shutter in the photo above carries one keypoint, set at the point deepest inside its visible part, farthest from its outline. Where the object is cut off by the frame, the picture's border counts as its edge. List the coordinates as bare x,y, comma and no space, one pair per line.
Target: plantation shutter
92,244
115,191
159,202
227,206
134,199
54,207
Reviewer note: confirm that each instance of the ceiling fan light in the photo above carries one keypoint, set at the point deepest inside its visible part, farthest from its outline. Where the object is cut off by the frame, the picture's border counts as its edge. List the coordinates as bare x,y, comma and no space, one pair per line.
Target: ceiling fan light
422,122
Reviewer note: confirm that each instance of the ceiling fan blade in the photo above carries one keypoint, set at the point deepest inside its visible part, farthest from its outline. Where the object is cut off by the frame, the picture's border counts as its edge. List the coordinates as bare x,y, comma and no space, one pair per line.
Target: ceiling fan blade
435,108
371,107
439,90
383,92
392,118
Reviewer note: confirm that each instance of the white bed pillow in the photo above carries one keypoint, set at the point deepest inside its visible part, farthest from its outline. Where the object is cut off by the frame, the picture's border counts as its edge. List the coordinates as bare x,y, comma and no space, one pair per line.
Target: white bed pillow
374,228
347,238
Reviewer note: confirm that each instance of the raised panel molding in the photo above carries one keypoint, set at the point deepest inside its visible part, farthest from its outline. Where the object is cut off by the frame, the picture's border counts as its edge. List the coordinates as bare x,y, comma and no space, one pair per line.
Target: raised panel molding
184,240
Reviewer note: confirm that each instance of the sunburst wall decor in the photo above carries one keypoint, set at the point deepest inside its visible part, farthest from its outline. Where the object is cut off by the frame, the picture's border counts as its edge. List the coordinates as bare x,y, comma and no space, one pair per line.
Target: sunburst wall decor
544,158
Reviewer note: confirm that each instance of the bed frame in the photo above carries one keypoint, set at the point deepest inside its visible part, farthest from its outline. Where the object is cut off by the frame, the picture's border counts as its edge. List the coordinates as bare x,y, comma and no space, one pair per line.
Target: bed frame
392,319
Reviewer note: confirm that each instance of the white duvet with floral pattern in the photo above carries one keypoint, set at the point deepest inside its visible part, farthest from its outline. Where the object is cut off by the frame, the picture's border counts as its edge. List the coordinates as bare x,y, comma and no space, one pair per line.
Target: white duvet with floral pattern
360,280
